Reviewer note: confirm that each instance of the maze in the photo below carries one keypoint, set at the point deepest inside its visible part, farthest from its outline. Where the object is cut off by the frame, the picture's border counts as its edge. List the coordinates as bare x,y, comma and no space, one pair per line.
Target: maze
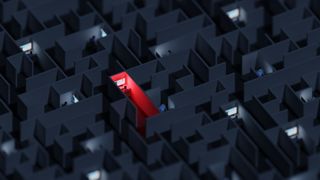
159,89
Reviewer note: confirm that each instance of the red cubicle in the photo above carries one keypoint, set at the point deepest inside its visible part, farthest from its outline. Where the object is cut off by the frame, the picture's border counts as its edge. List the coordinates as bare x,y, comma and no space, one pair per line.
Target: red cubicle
145,107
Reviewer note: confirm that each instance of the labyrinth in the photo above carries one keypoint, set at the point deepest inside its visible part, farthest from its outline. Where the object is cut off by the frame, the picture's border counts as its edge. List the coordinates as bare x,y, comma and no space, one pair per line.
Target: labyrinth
159,89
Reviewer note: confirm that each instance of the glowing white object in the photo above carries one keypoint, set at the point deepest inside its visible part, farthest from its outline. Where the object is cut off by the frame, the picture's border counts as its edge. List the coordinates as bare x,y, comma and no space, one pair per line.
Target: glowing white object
232,112
234,14
121,82
7,147
103,33
292,132
27,48
74,99
94,175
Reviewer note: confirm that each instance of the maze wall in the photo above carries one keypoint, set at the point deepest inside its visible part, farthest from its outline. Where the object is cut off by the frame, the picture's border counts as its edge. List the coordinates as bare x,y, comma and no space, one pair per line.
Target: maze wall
159,89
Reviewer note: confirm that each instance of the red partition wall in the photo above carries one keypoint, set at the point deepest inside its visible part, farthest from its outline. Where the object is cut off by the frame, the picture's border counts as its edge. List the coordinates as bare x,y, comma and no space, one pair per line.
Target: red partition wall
145,107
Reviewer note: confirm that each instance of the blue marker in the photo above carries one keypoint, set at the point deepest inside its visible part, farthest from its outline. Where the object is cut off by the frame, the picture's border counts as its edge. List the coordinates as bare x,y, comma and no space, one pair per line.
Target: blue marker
259,73
162,108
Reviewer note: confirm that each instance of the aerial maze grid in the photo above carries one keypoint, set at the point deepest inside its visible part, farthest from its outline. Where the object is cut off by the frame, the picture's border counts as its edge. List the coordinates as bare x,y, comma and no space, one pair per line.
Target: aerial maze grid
159,89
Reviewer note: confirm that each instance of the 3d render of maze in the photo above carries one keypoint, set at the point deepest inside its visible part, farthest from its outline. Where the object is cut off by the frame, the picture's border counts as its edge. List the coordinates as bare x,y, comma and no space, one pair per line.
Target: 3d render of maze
159,89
